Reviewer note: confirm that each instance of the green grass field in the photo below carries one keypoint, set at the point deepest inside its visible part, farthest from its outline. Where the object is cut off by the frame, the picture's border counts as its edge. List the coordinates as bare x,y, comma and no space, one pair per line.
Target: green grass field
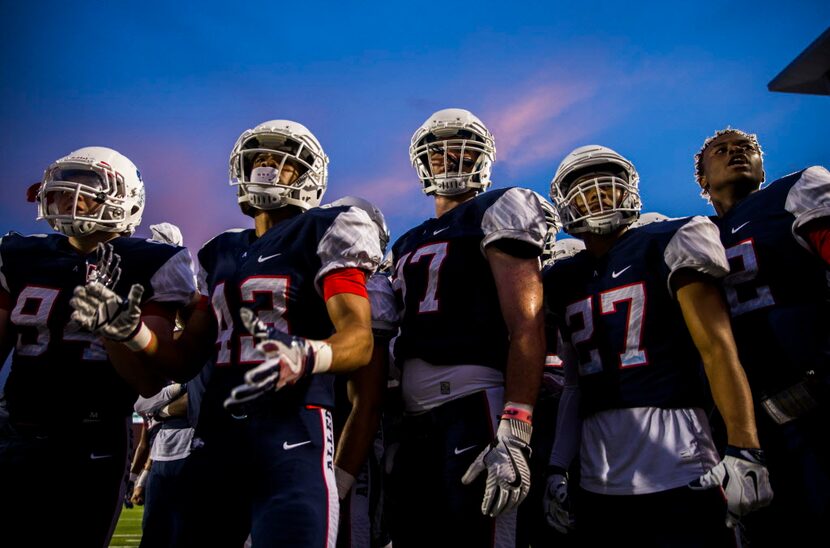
128,530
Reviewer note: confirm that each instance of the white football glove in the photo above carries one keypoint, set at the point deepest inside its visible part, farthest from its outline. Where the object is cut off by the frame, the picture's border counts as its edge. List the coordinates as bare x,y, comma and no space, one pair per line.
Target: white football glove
506,462
744,480
558,504
287,360
107,269
103,312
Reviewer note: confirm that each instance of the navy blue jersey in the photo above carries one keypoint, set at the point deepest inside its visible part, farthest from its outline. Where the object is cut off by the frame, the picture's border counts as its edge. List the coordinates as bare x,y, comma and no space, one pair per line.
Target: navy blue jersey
620,315
777,288
451,312
279,276
61,375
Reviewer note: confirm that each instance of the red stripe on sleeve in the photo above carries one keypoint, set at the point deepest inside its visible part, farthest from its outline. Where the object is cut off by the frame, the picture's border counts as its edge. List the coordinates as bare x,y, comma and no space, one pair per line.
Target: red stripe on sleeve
346,280
203,303
820,239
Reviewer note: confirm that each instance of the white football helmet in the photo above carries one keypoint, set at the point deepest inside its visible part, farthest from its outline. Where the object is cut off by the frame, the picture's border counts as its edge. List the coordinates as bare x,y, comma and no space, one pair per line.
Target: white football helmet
648,218
554,226
581,206
292,167
374,213
99,174
566,247
453,152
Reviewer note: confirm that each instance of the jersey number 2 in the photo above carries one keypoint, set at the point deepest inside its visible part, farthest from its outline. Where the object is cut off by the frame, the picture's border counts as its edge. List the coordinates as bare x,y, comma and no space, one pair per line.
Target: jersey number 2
633,355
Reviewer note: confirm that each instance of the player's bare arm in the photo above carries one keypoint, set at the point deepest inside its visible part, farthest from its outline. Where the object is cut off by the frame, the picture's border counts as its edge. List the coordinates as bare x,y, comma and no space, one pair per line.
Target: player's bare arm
519,286
707,318
352,342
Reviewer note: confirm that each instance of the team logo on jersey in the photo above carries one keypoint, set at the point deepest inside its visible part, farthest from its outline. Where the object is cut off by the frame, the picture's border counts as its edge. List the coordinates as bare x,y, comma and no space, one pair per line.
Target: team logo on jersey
329,442
262,259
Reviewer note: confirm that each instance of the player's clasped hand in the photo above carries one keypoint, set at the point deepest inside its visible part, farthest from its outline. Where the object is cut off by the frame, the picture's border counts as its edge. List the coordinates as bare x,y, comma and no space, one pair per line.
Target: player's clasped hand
744,479
287,360
557,503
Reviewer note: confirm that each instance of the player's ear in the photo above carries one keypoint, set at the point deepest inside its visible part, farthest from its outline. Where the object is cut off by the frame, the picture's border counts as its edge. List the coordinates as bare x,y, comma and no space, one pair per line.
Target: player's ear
704,186
32,192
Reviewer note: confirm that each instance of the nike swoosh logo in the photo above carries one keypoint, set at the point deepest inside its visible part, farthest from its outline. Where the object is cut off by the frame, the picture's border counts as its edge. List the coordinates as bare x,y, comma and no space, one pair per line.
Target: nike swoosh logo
439,230
288,446
737,228
93,456
262,259
459,451
754,477
517,481
615,274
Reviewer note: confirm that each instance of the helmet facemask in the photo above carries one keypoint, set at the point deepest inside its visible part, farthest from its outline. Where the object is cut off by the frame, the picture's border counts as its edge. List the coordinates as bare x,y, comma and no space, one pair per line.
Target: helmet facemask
454,165
596,190
453,152
117,205
273,169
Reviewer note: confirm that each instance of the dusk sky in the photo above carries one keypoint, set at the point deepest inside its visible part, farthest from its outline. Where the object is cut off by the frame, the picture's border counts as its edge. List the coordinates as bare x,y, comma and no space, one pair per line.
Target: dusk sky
172,84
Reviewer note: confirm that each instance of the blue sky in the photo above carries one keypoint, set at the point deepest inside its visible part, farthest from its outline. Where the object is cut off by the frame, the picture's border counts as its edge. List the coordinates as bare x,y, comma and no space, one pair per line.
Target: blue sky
172,85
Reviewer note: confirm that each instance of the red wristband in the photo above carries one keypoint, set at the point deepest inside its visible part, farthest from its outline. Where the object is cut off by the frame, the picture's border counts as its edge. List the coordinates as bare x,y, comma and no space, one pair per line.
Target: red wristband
517,414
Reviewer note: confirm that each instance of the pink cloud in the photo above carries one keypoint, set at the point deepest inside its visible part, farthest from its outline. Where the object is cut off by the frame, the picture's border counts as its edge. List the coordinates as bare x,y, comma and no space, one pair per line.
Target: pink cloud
528,128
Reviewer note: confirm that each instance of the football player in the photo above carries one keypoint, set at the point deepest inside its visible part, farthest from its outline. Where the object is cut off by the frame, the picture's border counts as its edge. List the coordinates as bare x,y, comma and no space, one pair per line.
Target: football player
640,308
161,487
554,226
284,305
776,240
471,343
69,407
532,525
358,408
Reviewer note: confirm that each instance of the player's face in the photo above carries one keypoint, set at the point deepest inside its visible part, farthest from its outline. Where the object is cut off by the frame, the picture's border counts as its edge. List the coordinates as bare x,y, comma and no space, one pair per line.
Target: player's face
454,159
64,202
596,198
289,172
729,159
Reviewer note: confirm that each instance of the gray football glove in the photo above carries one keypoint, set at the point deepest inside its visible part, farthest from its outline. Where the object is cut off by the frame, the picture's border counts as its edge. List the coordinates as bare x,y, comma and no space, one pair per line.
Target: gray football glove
744,479
506,462
287,360
558,504
101,311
